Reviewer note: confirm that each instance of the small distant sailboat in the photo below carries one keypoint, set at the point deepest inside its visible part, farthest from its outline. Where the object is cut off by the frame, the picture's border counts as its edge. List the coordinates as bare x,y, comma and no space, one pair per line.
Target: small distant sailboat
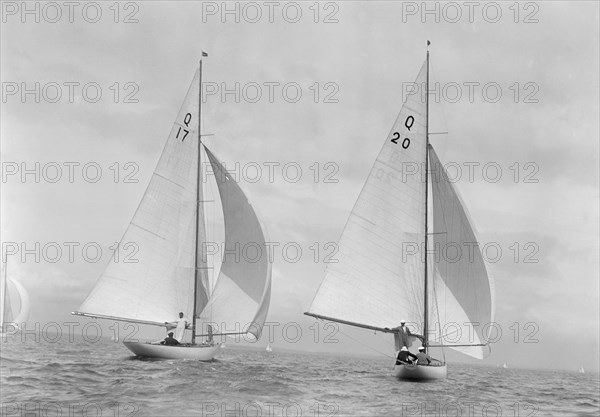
504,366
171,274
14,303
269,348
581,370
375,284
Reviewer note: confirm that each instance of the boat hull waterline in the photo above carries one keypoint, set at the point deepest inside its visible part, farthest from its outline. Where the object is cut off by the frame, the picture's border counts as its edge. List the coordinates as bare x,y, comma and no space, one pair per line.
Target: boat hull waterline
195,352
420,373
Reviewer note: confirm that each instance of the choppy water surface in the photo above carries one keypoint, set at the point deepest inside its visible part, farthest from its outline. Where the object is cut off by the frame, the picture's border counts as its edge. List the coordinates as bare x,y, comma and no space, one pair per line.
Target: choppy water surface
79,378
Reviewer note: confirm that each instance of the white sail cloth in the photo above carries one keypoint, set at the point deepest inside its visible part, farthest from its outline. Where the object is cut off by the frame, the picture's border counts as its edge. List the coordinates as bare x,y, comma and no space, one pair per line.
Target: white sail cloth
14,303
376,282
161,283
463,287
240,300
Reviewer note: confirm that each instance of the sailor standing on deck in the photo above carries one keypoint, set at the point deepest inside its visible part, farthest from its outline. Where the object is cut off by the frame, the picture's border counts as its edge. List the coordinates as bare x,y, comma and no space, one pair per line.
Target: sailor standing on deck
180,325
401,335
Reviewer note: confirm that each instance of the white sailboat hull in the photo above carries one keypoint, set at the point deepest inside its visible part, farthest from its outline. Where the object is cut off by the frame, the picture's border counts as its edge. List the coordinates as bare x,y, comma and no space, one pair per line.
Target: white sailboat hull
420,372
194,352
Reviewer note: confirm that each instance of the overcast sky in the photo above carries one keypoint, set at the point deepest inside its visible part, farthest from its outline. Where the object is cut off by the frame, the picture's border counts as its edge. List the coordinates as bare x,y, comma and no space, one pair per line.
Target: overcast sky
526,120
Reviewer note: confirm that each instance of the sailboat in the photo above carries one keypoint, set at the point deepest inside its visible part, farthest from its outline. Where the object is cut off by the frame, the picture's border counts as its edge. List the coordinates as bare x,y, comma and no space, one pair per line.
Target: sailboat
172,272
383,275
504,366
14,303
581,370
269,348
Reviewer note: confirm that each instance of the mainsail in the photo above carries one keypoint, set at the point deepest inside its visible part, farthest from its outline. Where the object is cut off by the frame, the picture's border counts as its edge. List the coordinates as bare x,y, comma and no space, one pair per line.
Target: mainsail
376,283
160,282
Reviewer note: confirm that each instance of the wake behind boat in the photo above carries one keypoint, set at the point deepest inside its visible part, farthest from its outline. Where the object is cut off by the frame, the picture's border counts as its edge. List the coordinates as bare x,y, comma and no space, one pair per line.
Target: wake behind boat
374,284
172,272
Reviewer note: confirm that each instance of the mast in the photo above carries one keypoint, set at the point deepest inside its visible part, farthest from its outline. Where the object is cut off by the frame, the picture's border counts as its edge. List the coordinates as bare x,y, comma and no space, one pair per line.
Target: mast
425,326
199,268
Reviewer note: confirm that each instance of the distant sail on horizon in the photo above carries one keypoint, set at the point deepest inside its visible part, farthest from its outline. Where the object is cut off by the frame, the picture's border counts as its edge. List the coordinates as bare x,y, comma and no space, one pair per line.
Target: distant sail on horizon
14,303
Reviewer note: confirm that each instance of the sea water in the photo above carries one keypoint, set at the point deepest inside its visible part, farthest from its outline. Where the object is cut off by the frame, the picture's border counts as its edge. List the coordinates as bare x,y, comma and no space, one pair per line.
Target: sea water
77,378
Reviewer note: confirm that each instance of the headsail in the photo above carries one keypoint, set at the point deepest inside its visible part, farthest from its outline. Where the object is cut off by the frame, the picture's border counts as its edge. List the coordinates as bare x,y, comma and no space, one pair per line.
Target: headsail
240,299
375,283
14,304
6,314
463,287
23,313
160,283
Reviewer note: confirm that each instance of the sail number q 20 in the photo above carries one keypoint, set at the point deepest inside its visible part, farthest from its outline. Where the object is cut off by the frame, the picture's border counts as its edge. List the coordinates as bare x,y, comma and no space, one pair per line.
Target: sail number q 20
408,124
